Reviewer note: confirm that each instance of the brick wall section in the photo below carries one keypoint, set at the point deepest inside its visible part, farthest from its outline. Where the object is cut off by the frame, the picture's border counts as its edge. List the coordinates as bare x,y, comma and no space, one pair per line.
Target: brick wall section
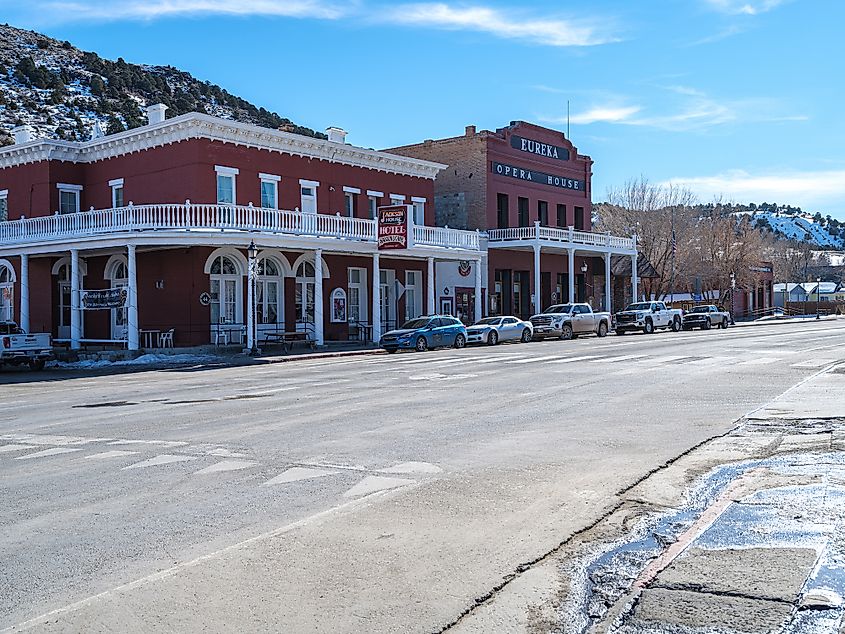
460,189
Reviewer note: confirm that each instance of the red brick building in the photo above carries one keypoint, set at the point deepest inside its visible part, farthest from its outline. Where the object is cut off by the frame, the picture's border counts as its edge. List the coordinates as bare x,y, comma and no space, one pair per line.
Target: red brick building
529,189
152,226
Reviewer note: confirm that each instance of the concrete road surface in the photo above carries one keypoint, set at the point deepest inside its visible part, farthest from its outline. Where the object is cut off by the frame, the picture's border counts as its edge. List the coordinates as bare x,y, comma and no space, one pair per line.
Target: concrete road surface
377,494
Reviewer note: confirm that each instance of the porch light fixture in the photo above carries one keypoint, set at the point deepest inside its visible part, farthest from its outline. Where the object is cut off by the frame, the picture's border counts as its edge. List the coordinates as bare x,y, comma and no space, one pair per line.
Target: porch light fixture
584,267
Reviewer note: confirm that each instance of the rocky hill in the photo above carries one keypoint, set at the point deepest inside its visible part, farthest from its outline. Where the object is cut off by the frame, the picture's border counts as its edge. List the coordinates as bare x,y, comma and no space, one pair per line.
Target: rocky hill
60,92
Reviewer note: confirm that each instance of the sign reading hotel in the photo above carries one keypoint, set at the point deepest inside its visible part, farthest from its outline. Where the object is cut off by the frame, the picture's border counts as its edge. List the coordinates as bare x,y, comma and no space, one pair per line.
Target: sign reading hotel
541,178
103,299
540,149
393,227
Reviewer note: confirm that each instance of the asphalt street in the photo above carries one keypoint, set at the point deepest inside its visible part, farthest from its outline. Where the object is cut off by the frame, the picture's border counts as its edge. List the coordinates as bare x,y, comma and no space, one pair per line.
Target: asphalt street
374,493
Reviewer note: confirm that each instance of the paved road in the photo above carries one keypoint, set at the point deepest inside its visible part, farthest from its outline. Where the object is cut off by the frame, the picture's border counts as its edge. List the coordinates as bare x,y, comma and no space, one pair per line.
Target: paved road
369,494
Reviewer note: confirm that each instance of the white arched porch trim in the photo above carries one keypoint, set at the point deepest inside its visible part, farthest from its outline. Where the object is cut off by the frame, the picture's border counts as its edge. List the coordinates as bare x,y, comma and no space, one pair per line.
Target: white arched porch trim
8,277
13,276
309,257
279,258
116,272
110,272
238,258
65,261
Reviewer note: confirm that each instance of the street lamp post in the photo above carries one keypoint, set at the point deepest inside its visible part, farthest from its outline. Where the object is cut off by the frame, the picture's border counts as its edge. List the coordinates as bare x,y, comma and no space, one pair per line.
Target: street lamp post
584,272
733,293
818,297
252,255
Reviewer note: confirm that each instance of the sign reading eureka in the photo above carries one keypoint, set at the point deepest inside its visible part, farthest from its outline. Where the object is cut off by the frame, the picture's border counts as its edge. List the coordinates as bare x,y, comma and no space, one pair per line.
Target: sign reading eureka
540,149
541,178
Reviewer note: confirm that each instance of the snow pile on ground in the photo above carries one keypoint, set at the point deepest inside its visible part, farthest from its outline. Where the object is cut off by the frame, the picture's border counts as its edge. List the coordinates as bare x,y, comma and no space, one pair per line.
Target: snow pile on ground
144,359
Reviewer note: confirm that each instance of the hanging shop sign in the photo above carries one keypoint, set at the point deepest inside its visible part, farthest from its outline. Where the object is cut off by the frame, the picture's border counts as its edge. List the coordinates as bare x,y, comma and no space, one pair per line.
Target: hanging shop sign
103,299
338,304
540,149
540,178
393,227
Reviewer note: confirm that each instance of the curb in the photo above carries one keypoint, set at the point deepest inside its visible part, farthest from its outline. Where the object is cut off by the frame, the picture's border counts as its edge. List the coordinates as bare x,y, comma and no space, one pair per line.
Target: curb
317,355
791,320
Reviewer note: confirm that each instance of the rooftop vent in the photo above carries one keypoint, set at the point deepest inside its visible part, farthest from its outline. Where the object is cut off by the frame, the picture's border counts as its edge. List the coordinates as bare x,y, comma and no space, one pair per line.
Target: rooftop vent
155,113
336,135
22,134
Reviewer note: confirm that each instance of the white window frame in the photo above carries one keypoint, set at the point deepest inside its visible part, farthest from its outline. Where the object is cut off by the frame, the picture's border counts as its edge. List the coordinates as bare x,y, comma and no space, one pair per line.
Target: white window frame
227,172
417,291
361,286
4,196
397,199
303,183
116,184
69,188
272,179
419,210
373,198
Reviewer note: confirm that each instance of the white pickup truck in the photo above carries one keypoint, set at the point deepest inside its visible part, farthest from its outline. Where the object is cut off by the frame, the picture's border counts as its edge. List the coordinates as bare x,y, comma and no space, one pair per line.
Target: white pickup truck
19,348
567,321
648,317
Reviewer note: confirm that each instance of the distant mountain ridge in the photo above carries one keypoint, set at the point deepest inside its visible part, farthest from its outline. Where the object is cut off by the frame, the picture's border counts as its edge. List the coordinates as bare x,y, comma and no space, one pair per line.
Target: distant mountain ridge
60,92
792,223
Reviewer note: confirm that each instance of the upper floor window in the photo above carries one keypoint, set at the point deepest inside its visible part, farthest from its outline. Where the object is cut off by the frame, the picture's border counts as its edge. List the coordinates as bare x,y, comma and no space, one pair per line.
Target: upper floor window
269,191
580,219
522,210
372,201
116,192
308,196
4,205
502,211
397,199
68,198
350,200
226,185
543,213
419,210
561,215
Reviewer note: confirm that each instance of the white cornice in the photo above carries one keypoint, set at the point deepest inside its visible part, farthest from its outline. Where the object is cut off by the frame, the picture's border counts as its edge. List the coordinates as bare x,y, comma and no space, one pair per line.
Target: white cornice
202,126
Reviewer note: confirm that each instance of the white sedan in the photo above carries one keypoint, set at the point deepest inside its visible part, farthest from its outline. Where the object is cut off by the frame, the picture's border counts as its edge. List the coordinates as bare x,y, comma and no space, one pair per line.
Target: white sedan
492,330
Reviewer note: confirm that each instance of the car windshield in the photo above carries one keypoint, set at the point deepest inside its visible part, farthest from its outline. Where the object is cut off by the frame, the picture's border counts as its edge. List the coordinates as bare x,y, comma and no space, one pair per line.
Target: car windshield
700,309
559,308
489,321
414,324
640,306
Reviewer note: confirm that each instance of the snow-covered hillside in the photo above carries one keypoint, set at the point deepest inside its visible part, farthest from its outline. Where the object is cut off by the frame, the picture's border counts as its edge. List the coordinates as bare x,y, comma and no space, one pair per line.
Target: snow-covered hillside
802,227
60,92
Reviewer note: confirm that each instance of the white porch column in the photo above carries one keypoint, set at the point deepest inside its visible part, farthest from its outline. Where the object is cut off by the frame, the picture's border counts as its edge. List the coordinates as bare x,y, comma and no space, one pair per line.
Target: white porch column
571,264
537,303
430,286
634,280
318,297
607,285
377,297
75,313
132,299
25,293
479,307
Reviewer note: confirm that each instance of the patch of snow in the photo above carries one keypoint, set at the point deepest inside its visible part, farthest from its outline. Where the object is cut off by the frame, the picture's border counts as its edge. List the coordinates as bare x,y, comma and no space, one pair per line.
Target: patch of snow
144,359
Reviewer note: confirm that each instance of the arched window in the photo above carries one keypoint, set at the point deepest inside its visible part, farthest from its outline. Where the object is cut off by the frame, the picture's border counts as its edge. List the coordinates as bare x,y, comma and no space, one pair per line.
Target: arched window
225,291
117,271
305,293
7,292
269,292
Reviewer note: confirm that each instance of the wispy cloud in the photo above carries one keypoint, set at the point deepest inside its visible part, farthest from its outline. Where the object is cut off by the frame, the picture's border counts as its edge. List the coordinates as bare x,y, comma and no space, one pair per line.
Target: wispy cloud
744,7
688,109
513,25
805,188
718,36
62,11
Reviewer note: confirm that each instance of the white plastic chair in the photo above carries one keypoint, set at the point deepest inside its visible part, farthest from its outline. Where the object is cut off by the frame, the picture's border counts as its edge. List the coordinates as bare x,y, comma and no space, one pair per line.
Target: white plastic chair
165,339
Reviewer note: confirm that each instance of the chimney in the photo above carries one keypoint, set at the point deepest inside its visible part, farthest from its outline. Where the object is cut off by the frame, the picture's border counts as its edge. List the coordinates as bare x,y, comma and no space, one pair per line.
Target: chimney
336,135
470,131
155,113
21,134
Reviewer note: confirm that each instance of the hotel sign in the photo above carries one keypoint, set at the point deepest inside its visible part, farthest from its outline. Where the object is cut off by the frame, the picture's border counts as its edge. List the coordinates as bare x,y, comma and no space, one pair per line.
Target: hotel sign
540,149
393,229
541,178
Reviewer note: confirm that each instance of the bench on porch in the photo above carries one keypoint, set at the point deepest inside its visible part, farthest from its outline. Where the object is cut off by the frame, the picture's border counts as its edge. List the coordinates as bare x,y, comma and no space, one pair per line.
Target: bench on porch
290,338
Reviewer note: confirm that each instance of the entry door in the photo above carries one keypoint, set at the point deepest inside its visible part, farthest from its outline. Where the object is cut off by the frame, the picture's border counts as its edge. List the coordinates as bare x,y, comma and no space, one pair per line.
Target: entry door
387,299
119,321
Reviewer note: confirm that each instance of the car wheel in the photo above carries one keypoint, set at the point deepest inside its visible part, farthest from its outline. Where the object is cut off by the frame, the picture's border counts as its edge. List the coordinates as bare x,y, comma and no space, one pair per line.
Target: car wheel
676,325
724,324
706,325
36,365
460,341
566,332
602,329
493,338
526,336
422,344
649,327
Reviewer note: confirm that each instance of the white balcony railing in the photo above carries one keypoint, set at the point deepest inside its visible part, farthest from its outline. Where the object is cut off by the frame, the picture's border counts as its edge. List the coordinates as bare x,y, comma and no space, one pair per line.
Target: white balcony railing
193,217
564,236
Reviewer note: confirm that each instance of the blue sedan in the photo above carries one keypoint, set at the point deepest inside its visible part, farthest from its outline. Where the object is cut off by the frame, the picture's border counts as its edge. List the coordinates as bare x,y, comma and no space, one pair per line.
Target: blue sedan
424,333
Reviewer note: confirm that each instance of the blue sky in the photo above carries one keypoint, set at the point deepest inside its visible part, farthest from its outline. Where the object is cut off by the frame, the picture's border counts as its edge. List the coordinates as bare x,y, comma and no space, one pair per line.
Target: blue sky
738,99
